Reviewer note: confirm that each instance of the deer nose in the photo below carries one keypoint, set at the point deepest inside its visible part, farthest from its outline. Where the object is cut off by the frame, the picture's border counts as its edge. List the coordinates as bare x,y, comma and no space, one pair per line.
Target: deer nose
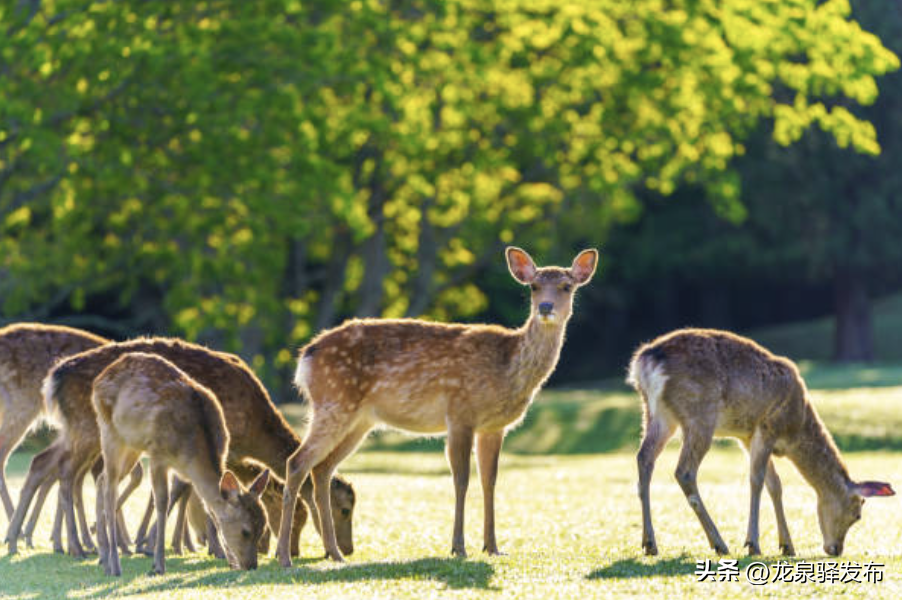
545,308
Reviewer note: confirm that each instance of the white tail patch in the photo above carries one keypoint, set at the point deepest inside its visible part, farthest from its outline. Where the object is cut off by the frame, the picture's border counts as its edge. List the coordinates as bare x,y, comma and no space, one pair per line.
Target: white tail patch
302,374
649,377
51,414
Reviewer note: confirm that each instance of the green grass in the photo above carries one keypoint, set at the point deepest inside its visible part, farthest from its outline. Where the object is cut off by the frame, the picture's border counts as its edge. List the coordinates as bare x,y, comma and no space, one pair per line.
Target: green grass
567,512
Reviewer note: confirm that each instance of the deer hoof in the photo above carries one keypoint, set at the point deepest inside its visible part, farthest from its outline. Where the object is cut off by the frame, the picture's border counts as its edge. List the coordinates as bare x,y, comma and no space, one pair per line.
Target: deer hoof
650,548
787,550
721,548
493,551
754,549
335,556
459,552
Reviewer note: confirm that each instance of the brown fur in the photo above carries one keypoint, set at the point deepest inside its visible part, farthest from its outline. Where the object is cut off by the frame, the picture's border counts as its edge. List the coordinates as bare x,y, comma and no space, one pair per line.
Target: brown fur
342,498
27,351
256,427
471,381
145,404
711,382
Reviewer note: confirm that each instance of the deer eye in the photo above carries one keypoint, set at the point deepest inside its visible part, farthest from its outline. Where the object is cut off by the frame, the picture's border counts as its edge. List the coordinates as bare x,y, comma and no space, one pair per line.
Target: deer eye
345,512
567,287
534,287
245,533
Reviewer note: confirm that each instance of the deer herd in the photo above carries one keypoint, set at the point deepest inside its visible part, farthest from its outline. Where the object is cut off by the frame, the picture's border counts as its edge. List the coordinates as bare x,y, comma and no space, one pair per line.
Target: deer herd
216,445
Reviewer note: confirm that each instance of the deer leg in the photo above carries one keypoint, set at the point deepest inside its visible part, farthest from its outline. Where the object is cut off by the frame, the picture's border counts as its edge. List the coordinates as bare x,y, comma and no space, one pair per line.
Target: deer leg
658,430
137,473
328,426
759,457
57,534
68,476
15,419
135,477
488,449
297,524
696,443
79,501
458,448
160,483
307,497
189,543
179,525
322,486
6,446
141,535
36,511
775,489
103,542
213,544
43,467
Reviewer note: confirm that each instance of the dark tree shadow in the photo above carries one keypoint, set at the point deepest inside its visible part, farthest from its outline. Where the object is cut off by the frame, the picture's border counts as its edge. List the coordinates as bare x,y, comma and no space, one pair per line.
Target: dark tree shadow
182,572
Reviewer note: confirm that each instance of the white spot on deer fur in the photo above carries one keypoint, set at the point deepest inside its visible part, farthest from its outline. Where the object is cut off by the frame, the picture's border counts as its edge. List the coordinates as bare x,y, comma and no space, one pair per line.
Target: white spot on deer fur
694,501
650,377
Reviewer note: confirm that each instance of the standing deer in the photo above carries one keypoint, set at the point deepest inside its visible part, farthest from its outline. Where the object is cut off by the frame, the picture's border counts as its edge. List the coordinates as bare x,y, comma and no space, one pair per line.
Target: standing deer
257,429
429,378
145,404
711,382
27,351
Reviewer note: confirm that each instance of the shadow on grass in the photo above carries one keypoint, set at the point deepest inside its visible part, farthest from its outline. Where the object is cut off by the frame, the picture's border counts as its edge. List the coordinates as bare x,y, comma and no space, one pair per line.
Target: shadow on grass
629,568
192,572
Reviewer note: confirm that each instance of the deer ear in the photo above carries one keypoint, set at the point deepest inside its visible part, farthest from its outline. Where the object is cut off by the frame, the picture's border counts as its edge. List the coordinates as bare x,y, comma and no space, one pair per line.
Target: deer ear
259,486
520,265
584,265
867,489
229,486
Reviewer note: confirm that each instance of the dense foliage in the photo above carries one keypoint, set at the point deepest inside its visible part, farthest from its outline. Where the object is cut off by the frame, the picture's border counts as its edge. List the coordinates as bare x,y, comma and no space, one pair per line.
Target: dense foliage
247,173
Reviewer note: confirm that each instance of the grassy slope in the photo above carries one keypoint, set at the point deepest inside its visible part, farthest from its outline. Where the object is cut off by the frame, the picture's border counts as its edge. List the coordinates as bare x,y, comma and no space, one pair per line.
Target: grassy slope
569,520
813,340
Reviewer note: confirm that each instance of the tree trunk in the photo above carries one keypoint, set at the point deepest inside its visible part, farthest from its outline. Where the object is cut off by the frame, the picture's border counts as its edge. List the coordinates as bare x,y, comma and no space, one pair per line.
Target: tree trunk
853,337
427,259
376,266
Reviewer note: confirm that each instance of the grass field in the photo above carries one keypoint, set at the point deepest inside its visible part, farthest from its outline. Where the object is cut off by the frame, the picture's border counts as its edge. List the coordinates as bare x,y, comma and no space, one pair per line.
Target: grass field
568,517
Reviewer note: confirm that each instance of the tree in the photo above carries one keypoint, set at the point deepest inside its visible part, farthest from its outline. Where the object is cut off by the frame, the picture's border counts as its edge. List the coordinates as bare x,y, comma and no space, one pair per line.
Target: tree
838,210
248,173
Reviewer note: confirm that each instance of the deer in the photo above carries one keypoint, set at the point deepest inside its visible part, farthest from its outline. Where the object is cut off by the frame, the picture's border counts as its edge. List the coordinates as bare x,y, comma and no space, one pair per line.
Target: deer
27,351
467,381
342,498
147,405
257,429
715,383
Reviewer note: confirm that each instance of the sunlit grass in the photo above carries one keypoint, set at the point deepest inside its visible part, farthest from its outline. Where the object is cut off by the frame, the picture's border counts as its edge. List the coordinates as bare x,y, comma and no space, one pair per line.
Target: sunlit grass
571,526
568,517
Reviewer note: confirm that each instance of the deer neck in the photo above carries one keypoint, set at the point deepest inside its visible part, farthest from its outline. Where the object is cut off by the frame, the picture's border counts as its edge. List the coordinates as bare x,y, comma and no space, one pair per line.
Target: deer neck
207,487
817,458
537,352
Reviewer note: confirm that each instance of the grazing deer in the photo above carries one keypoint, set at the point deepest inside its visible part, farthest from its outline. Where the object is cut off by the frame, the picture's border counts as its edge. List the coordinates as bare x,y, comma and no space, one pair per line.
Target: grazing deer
27,351
342,499
147,405
257,429
711,382
429,378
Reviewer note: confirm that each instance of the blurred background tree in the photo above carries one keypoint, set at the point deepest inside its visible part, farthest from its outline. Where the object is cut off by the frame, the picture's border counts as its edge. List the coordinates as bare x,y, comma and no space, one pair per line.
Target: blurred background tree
246,174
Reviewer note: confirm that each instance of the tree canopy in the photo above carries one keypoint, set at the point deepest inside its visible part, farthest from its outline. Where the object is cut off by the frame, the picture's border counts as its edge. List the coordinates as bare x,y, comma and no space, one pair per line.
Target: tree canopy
251,172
